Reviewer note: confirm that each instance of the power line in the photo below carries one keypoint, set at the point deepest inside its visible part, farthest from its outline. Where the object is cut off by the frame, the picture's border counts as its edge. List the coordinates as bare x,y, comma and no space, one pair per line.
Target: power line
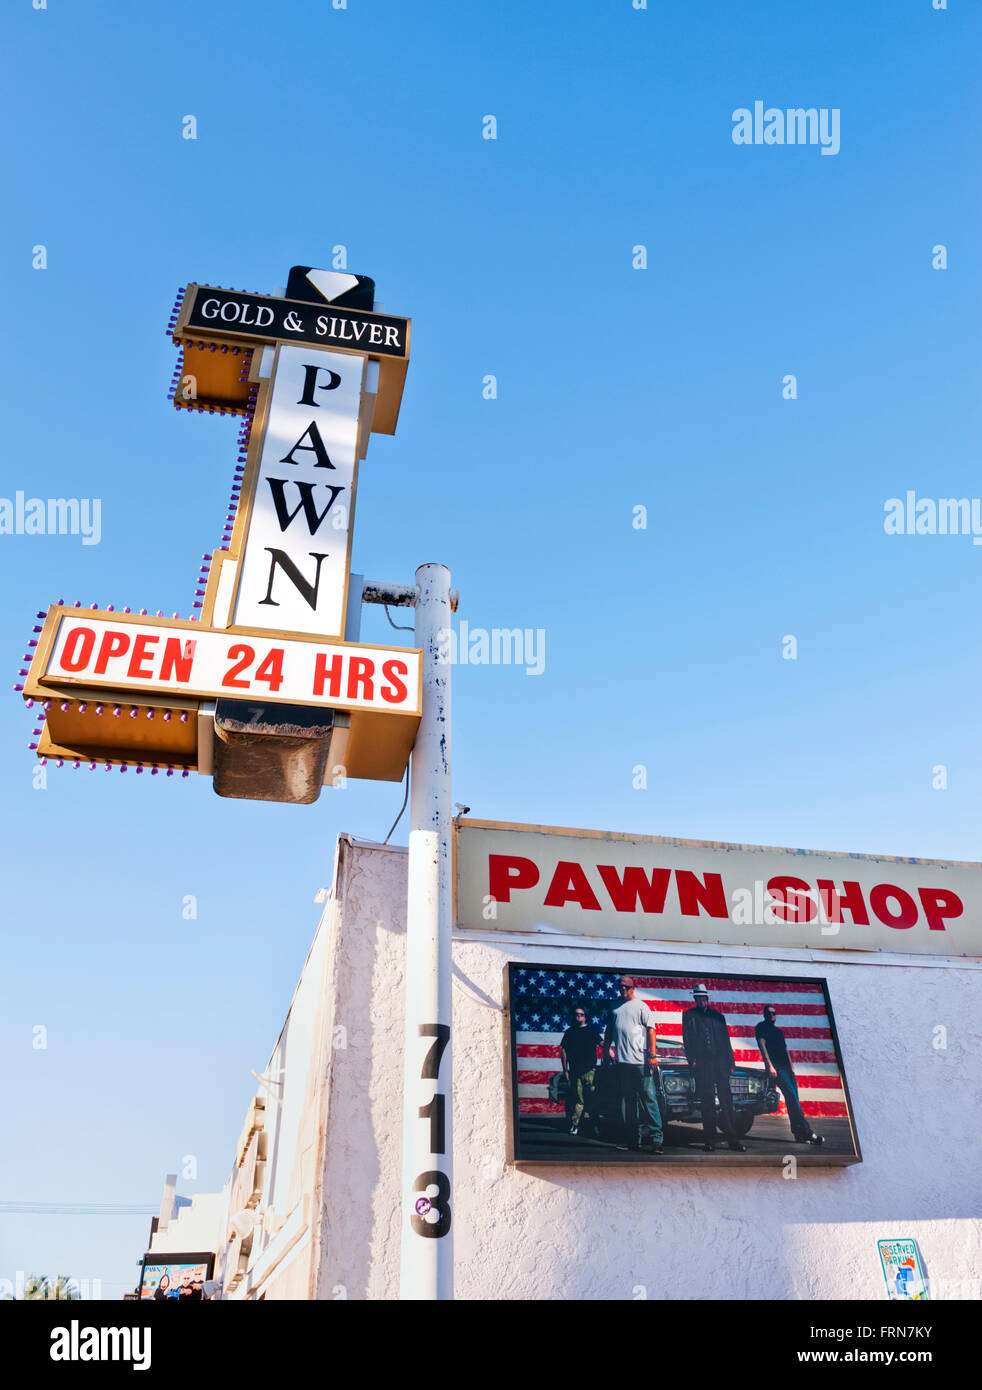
81,1208
399,816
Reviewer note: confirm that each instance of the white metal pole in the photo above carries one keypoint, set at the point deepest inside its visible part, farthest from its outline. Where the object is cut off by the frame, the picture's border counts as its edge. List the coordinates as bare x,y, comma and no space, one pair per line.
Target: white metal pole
427,1152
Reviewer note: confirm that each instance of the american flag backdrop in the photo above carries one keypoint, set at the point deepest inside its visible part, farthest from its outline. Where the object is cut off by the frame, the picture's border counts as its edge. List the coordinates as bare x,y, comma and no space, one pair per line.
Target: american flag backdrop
543,999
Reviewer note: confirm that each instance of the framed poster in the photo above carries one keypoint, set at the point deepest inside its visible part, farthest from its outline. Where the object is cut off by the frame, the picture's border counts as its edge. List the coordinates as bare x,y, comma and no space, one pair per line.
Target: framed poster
609,1066
180,1277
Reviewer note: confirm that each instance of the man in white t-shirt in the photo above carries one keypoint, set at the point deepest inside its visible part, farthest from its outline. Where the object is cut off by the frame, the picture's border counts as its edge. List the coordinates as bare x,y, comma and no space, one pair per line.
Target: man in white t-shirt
631,1043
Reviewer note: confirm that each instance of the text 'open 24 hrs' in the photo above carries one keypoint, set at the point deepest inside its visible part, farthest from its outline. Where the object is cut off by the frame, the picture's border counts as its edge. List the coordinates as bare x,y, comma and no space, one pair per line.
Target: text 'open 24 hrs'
185,660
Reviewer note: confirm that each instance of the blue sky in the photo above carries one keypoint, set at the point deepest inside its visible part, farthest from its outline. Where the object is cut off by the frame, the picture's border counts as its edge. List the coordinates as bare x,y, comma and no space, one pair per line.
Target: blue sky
617,388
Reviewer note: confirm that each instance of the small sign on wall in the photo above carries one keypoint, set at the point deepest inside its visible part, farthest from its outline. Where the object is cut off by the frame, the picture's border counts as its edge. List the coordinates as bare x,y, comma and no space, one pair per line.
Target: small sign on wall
176,1278
902,1269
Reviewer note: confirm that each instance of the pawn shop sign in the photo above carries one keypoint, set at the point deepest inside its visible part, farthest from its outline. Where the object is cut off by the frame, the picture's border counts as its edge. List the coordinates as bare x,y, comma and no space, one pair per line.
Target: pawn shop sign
266,691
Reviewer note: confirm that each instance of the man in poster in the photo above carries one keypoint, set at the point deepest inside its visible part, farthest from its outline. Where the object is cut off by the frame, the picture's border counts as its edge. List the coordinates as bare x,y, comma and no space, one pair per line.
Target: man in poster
191,1287
774,1050
630,1041
579,1057
706,1040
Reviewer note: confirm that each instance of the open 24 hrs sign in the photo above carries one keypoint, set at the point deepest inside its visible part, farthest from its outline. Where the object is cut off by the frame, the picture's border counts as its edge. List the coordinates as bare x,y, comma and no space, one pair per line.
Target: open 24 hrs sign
170,656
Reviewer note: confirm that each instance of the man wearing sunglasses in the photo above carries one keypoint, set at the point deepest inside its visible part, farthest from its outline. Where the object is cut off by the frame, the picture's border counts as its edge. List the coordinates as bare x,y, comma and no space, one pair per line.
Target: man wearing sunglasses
706,1040
579,1057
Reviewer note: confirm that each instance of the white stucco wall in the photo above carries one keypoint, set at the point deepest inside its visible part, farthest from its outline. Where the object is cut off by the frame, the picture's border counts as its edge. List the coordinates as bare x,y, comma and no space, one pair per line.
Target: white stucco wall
279,1263
575,1232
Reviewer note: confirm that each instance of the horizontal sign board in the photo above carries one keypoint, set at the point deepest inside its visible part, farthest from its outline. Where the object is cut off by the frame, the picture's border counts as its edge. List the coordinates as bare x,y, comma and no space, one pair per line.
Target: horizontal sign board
164,656
232,314
526,878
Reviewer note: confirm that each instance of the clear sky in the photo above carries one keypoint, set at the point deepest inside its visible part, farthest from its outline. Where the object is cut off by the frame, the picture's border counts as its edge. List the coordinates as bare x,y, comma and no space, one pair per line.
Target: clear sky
617,388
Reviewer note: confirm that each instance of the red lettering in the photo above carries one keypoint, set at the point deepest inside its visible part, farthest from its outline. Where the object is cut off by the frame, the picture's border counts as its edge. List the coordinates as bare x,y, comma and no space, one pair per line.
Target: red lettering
71,659
881,895
851,899
694,893
112,644
244,656
396,691
569,885
625,893
791,899
360,671
331,674
935,900
140,655
270,669
507,871
175,664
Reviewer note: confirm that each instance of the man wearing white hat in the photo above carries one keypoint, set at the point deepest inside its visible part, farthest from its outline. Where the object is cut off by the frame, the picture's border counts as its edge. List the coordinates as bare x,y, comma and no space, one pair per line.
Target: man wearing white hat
706,1040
